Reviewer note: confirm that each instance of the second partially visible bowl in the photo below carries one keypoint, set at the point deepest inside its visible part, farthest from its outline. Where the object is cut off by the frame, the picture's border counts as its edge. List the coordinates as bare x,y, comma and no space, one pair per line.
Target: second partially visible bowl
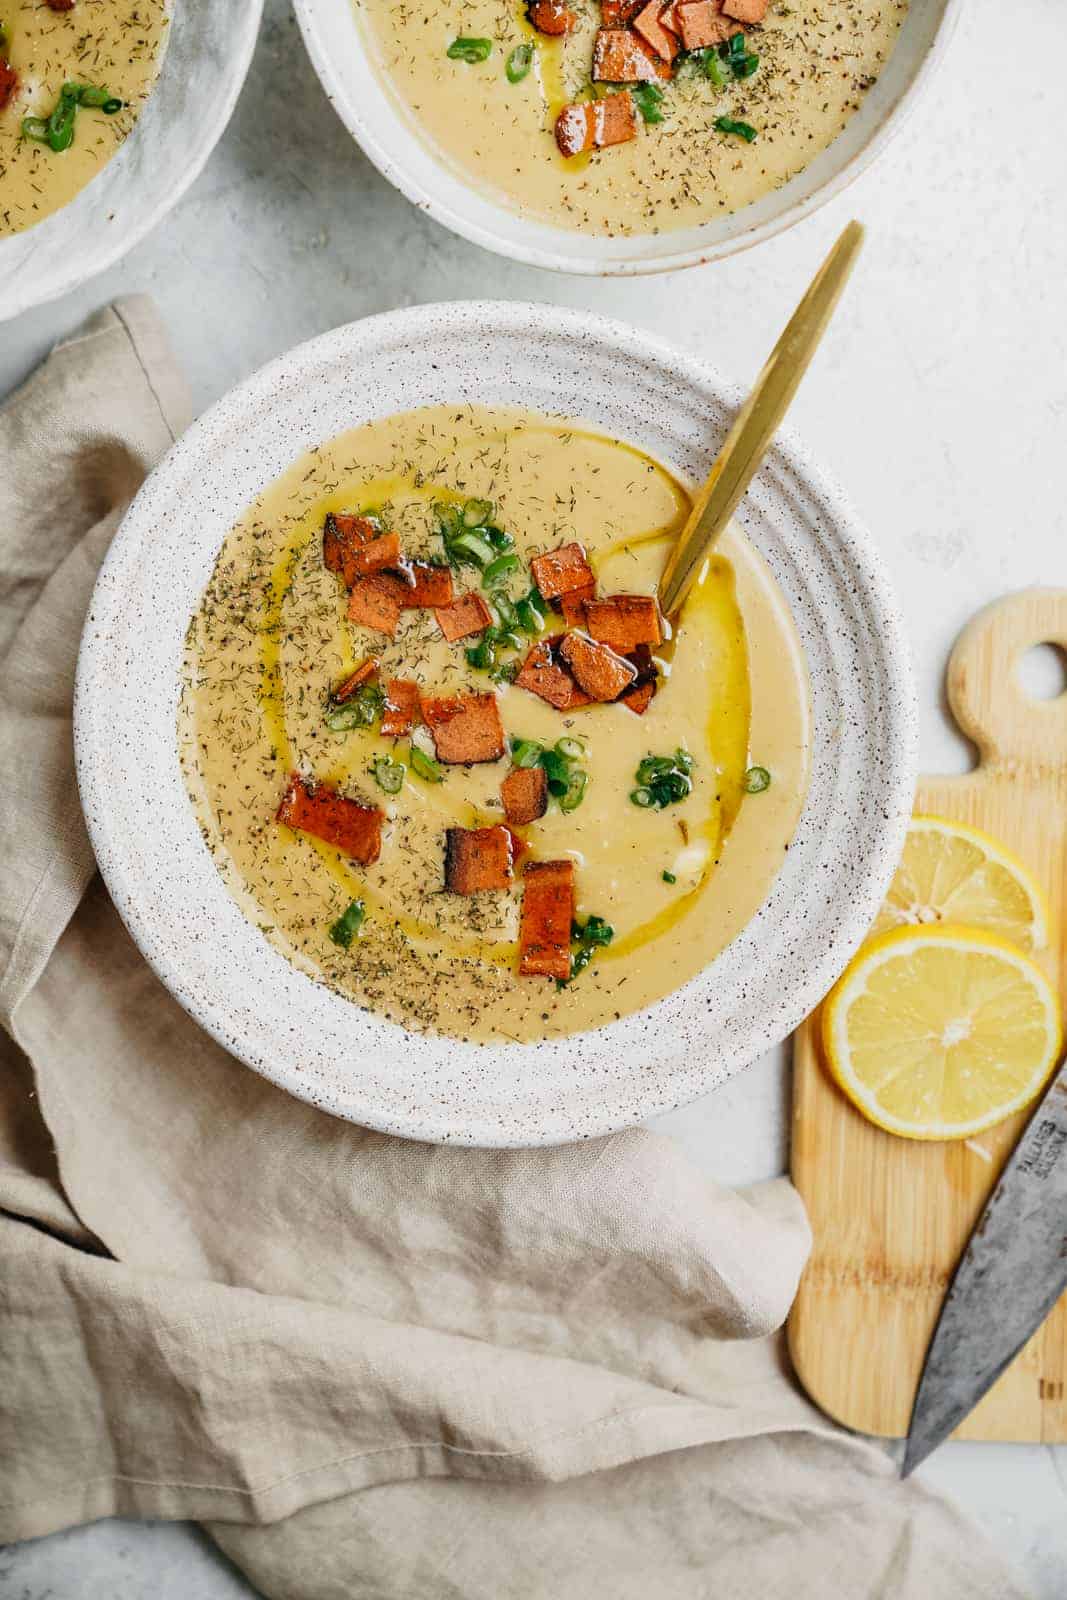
388,135
207,58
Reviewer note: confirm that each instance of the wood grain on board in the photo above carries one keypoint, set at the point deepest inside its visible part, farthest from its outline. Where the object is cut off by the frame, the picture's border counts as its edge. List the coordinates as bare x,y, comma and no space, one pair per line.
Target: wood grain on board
891,1216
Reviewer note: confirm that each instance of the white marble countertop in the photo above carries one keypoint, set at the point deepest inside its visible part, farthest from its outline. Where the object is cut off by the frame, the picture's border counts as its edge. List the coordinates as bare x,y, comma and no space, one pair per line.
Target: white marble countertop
940,402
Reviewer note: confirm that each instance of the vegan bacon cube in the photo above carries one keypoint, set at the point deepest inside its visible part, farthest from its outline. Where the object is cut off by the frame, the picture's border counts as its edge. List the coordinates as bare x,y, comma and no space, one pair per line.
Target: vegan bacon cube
596,124
401,710
596,668
624,621
573,605
701,23
562,571
376,602
542,675
355,680
648,23
466,615
477,859
545,923
428,585
342,535
620,56
353,829
374,556
525,795
466,729
638,697
617,13
551,17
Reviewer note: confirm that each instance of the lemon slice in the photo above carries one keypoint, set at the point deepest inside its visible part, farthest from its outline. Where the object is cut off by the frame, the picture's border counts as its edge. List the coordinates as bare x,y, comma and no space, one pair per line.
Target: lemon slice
937,1033
952,873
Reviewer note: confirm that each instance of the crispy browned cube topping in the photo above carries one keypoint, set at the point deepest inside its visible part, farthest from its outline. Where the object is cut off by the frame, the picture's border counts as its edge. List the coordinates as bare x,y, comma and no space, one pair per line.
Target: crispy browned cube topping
467,614
746,10
429,585
562,571
525,795
619,56
401,710
541,674
342,535
466,729
701,23
649,24
376,602
596,668
355,680
477,859
624,621
547,915
551,17
354,829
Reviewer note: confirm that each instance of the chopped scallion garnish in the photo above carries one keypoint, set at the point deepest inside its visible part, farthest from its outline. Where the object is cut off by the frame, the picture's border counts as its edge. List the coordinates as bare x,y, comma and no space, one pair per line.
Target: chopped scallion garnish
361,711
519,62
756,779
668,877
648,100
470,50
425,766
589,936
744,130
526,752
662,780
389,775
348,924
499,568
57,130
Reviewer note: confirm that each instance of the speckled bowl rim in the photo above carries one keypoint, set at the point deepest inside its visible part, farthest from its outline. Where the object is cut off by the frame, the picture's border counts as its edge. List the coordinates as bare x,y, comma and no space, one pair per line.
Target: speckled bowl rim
507,233
321,1047
197,138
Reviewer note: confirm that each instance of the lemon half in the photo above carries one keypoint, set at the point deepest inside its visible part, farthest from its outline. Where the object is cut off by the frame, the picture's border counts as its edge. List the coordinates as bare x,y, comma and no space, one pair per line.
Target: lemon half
940,1032
952,873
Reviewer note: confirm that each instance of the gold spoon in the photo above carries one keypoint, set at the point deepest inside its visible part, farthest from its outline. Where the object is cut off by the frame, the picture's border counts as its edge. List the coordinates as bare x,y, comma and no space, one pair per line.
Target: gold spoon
756,423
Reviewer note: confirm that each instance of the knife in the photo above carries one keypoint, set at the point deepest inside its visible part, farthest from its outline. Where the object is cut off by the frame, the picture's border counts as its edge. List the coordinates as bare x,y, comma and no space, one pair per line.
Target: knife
1012,1272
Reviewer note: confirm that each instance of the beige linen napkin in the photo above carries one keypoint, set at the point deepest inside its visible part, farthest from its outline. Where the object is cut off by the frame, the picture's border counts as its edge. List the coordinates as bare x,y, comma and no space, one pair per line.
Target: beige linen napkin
374,1368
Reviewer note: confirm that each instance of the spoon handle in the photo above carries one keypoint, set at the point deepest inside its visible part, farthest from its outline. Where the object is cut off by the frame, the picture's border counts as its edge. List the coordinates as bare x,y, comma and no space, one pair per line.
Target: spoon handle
757,421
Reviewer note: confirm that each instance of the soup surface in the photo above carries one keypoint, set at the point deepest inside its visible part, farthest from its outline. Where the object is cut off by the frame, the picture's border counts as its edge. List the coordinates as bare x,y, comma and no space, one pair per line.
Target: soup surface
271,644
112,46
815,59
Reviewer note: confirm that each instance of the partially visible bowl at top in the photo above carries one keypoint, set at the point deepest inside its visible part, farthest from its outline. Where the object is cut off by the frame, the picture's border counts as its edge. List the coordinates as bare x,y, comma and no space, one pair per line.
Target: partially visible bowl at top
391,136
204,65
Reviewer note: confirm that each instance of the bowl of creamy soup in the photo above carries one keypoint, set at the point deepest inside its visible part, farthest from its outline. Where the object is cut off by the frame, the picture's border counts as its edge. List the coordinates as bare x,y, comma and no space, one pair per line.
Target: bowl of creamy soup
406,786
107,113
622,136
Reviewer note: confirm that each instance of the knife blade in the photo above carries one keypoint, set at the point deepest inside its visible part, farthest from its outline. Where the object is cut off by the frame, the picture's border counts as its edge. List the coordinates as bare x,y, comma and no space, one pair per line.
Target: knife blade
1011,1274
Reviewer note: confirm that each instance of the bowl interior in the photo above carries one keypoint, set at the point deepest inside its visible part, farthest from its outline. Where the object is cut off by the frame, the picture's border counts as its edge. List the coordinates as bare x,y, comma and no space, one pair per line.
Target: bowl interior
208,53
390,137
313,1042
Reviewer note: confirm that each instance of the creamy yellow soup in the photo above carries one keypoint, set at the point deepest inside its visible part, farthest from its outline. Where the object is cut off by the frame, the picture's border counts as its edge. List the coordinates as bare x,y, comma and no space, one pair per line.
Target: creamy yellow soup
817,58
270,642
115,45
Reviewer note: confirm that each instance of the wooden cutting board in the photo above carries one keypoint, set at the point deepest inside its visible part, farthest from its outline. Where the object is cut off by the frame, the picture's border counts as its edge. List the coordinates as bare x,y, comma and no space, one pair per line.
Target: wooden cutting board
891,1216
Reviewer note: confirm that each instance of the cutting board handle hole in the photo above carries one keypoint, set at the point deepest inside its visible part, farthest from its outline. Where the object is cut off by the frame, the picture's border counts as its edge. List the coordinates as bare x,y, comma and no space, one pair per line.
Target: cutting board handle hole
1043,671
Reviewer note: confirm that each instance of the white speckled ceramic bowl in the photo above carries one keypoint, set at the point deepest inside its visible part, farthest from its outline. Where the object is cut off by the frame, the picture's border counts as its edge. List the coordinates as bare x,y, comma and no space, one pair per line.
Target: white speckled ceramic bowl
390,137
322,1047
207,58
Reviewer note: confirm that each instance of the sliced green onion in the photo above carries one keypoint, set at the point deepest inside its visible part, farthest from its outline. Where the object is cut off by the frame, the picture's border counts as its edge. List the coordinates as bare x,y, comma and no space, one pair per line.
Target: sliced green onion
503,605
668,877
642,797
359,712
57,131
471,51
504,672
499,568
526,752
571,747
735,45
498,538
389,775
482,655
530,612
744,130
574,793
519,62
348,924
715,68
35,128
746,66
756,779
425,766
589,937
648,99
472,544
476,513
